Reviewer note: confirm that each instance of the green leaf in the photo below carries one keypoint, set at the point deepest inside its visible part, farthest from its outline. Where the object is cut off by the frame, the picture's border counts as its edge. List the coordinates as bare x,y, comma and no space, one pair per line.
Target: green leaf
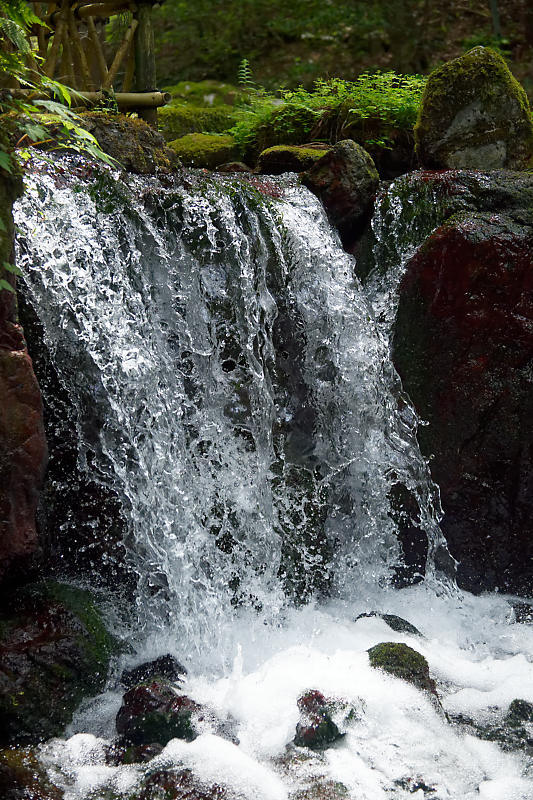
11,268
6,285
5,161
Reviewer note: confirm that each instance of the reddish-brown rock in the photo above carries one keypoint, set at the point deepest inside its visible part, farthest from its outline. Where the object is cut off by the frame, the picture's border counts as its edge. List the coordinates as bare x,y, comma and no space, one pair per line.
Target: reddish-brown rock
22,439
463,346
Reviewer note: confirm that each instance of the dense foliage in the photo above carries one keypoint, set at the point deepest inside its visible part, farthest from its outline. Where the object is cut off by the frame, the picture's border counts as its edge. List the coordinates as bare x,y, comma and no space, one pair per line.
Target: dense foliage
386,101
298,42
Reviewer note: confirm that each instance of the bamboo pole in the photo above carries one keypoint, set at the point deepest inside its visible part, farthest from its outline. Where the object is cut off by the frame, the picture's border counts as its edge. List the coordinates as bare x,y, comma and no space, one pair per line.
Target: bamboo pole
103,10
124,99
145,57
67,62
119,55
127,83
97,49
79,54
51,61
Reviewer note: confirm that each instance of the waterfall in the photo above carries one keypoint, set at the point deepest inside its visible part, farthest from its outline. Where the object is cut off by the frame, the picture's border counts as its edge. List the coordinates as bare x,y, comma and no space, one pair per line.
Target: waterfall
230,383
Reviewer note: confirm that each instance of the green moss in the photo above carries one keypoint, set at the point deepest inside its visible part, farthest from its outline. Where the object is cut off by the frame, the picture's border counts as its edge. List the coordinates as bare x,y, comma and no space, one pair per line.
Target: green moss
204,149
179,119
403,662
98,644
22,775
206,93
288,158
494,107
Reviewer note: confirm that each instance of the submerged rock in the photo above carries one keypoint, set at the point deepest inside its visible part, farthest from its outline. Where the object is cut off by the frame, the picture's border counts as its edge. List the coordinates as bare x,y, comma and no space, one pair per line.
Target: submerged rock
156,713
403,662
396,623
289,158
208,150
316,728
474,115
163,667
55,651
345,179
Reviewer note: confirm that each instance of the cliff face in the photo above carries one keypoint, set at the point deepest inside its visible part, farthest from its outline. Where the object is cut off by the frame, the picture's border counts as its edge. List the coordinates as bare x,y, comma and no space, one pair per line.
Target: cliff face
23,450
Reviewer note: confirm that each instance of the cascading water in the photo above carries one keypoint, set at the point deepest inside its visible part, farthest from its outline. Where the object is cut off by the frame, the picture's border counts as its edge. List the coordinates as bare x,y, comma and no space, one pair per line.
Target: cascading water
232,385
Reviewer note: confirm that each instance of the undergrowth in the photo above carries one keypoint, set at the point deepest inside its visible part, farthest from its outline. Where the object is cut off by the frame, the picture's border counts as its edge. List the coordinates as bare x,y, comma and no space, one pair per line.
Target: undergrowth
389,100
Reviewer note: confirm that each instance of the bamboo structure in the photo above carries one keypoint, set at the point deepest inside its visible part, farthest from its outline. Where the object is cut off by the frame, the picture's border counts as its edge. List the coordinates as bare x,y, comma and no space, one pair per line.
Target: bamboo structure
73,49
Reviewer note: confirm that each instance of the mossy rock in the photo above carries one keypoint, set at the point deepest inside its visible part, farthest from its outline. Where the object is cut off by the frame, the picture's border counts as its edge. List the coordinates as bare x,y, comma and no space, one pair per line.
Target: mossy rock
206,93
23,777
403,662
179,119
286,125
289,158
66,657
208,150
474,115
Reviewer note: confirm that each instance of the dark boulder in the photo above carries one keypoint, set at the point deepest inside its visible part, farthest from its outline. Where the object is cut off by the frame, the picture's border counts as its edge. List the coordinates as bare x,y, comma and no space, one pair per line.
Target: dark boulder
54,651
155,712
23,777
316,728
166,667
345,179
463,346
395,623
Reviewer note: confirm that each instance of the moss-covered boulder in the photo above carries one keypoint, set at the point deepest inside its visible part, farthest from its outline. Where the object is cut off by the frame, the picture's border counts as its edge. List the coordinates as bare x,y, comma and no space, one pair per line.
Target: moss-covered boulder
55,650
208,150
23,777
208,93
289,158
403,662
474,115
179,119
346,180
132,142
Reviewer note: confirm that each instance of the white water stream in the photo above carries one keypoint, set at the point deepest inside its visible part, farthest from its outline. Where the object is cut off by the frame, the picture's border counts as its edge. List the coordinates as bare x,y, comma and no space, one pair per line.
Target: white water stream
232,386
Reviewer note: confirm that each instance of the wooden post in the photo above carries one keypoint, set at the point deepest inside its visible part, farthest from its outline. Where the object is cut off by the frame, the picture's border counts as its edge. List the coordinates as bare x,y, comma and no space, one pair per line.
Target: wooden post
145,58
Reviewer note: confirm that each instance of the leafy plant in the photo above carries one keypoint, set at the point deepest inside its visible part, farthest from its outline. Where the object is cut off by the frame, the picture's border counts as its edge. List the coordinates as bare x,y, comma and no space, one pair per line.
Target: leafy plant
389,100
23,115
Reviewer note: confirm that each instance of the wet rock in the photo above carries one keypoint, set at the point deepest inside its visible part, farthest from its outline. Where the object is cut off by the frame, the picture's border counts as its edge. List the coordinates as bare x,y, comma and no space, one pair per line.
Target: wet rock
132,142
523,613
22,777
181,785
403,662
513,732
396,623
289,158
474,115
346,180
234,166
463,346
155,712
207,150
163,667
22,441
54,651
316,728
